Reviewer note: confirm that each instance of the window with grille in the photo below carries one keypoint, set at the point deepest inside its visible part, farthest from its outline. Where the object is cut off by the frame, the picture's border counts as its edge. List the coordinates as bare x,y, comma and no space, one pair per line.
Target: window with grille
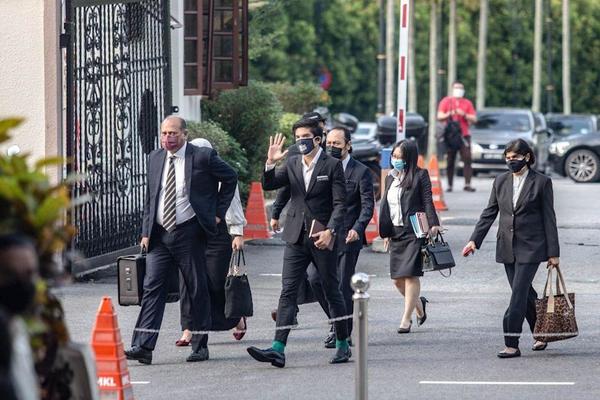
215,45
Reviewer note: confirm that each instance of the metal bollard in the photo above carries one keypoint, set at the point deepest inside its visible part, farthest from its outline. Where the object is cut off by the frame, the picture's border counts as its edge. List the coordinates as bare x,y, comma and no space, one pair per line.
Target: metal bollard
360,284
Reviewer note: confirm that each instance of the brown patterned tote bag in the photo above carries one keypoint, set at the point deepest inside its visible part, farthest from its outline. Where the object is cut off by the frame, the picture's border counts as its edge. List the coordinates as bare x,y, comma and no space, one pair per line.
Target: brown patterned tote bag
555,312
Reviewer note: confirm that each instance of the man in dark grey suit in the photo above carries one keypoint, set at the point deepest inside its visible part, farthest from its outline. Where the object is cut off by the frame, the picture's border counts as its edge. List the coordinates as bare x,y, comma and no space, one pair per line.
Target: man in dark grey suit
183,206
317,189
360,202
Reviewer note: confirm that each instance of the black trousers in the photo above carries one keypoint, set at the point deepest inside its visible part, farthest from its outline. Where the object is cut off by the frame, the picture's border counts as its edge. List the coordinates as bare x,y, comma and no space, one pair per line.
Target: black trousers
184,249
346,265
218,254
465,155
296,259
522,300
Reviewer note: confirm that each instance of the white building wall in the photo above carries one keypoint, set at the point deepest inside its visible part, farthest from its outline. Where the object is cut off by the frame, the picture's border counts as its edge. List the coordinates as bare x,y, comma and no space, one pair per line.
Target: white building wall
29,73
189,106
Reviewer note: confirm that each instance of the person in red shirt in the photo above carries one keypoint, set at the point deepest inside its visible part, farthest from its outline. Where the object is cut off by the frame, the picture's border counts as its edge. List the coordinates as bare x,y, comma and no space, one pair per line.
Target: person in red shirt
457,108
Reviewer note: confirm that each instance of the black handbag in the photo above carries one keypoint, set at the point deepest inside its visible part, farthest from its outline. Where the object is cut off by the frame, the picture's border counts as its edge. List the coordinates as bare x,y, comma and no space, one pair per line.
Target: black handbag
437,256
238,296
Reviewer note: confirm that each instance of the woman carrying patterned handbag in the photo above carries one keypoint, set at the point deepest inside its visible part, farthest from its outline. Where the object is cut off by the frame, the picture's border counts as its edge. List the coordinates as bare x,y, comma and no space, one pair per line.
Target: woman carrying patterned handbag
407,192
527,236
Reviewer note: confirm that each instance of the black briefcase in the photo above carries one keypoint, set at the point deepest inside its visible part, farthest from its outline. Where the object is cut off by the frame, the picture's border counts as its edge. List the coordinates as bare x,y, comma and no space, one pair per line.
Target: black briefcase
131,271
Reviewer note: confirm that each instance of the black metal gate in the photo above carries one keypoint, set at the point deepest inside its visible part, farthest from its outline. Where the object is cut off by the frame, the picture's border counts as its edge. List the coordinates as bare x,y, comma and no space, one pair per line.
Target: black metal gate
118,91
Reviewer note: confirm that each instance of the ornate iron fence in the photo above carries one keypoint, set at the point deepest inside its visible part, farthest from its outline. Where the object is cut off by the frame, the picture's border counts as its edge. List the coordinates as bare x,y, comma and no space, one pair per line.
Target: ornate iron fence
118,91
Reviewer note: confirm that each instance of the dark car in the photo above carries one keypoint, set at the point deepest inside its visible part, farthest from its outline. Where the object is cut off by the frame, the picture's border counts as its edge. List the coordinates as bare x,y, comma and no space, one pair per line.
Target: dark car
495,127
416,128
566,125
577,156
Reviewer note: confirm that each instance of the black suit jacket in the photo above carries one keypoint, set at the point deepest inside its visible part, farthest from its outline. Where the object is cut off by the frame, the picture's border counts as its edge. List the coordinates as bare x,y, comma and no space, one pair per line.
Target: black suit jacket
323,201
527,233
204,169
360,203
415,199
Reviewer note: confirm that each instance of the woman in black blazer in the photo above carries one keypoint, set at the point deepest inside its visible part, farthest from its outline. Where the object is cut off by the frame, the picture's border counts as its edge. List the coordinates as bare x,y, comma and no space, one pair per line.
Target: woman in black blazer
527,236
407,191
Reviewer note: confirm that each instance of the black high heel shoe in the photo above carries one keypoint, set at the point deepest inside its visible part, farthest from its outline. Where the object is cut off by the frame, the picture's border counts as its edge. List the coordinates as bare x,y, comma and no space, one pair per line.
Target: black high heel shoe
421,321
404,330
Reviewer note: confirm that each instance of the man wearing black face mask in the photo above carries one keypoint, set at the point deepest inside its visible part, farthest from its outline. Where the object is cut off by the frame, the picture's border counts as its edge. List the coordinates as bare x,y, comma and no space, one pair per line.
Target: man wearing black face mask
18,272
360,202
317,188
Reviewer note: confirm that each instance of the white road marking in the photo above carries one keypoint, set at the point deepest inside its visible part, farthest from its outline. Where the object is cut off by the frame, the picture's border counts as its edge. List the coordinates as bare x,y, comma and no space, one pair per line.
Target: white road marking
140,382
270,274
497,383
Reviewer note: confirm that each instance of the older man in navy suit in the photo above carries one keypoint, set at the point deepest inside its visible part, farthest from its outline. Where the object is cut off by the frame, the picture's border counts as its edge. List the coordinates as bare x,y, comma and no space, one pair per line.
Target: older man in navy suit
183,207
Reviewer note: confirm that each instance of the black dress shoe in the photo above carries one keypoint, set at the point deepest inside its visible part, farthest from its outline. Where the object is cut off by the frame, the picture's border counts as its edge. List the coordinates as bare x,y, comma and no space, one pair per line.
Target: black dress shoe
330,341
269,355
199,355
140,354
421,321
341,356
504,354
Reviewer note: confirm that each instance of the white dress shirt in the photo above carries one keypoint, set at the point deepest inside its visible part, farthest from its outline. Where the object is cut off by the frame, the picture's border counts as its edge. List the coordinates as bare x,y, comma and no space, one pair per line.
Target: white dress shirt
345,162
235,218
393,197
183,208
518,182
307,170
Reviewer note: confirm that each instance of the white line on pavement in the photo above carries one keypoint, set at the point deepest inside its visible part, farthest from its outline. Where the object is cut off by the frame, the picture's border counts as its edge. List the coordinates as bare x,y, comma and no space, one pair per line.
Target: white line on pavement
496,383
140,382
270,274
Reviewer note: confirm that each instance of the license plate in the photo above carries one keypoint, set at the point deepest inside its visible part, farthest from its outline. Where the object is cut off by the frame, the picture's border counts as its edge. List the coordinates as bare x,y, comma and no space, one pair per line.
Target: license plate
488,156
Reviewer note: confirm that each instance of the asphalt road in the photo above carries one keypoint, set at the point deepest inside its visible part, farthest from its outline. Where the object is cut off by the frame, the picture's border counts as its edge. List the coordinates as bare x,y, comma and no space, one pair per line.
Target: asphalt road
452,356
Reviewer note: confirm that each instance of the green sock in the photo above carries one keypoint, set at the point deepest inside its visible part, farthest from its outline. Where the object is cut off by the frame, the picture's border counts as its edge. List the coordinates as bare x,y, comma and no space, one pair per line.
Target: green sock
278,346
341,344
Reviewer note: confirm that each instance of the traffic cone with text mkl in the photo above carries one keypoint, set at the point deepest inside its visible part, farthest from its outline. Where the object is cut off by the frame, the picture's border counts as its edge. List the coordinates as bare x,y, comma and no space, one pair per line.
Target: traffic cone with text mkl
372,230
111,365
436,185
256,215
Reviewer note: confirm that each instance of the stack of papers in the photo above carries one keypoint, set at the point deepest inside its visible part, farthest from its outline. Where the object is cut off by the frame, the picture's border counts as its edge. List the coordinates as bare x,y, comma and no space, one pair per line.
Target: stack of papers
419,224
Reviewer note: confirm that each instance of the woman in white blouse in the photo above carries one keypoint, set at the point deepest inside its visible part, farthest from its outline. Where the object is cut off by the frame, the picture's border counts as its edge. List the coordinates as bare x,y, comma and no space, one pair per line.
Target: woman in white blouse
218,253
407,191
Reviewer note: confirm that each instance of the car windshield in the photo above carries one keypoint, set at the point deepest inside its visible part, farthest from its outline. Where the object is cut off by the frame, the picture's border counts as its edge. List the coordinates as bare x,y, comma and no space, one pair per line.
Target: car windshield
566,126
503,122
363,131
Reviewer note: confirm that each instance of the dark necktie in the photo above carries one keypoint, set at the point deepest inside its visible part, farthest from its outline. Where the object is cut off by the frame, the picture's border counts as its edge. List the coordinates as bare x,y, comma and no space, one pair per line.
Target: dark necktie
169,212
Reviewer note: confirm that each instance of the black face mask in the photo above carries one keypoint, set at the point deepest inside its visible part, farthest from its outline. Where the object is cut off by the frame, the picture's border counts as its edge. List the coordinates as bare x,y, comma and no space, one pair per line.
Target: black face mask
305,146
334,152
16,297
516,165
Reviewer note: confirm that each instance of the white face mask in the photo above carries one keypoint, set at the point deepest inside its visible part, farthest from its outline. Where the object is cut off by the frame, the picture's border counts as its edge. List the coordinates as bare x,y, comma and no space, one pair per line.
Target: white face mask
458,92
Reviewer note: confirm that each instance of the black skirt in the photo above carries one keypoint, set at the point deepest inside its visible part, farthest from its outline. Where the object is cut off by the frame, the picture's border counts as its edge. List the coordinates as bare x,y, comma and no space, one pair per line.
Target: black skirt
405,253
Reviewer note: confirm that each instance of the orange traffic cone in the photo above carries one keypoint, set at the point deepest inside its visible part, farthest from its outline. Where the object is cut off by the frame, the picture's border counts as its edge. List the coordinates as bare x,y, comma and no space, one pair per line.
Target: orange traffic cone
421,162
372,230
436,185
111,365
256,216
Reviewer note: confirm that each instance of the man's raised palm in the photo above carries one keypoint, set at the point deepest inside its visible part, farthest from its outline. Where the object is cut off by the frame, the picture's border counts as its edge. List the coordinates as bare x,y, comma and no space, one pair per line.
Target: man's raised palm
276,152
